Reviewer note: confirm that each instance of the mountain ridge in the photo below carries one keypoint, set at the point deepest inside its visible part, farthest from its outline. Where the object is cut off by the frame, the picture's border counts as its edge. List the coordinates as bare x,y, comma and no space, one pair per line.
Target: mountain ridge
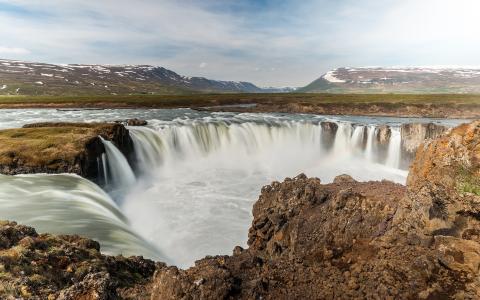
32,78
415,79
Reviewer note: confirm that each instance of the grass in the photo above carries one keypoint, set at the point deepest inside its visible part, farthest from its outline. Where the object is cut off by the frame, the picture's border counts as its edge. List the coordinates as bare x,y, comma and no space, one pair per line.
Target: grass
468,182
197,100
45,146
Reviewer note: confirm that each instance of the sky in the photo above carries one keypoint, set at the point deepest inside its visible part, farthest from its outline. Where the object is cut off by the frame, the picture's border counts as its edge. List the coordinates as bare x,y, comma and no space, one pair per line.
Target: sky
267,42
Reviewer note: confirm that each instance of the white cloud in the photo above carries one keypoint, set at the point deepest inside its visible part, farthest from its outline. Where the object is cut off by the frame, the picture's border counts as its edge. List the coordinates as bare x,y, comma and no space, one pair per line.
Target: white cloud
13,50
302,40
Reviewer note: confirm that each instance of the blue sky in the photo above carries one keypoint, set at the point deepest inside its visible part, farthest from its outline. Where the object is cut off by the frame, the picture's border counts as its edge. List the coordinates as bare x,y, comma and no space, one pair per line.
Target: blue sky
270,43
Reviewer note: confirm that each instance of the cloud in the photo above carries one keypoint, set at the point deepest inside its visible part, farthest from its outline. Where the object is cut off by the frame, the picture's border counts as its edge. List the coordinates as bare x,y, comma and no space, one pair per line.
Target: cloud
13,50
272,43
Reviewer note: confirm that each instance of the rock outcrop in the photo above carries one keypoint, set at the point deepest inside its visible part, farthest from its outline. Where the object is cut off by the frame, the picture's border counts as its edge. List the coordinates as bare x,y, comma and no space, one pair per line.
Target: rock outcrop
132,122
329,133
34,266
60,148
414,134
308,240
383,135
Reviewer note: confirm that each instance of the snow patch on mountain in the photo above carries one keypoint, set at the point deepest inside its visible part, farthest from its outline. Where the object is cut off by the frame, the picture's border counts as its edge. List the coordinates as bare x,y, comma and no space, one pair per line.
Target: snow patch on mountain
330,76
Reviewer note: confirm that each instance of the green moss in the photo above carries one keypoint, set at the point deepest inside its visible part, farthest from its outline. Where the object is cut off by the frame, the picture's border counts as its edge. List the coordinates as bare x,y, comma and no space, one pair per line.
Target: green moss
46,146
467,182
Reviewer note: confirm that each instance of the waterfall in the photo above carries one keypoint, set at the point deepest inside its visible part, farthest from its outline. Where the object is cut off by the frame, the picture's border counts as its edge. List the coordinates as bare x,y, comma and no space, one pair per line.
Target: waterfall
357,137
70,204
148,147
173,143
104,168
342,144
119,171
203,176
394,149
369,149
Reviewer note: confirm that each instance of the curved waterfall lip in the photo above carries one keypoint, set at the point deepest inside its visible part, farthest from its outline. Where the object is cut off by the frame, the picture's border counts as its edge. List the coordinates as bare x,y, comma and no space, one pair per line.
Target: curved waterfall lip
70,204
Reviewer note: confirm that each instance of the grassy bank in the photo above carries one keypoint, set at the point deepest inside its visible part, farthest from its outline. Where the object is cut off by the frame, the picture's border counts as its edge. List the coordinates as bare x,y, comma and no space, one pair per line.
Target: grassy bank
228,99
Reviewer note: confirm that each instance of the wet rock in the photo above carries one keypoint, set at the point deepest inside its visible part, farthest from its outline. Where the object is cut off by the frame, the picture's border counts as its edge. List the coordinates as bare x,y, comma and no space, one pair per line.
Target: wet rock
329,132
383,134
133,122
414,134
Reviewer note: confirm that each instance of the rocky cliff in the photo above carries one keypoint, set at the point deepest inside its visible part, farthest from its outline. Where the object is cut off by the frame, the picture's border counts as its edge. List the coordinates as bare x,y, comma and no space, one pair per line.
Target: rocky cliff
414,134
60,148
308,240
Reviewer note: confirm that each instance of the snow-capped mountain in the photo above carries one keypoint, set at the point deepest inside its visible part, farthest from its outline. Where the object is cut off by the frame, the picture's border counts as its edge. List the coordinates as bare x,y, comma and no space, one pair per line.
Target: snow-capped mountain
27,78
398,80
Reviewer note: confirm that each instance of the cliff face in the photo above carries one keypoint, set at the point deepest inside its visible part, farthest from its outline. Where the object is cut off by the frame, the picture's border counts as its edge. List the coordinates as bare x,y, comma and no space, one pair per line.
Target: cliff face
60,148
344,240
414,134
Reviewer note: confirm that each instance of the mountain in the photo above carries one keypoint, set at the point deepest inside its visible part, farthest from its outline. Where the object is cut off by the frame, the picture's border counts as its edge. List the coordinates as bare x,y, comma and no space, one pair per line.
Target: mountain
397,80
27,78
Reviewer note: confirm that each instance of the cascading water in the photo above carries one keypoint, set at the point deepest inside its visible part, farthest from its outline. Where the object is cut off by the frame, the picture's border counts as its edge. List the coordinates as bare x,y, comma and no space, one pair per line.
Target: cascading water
197,201
357,137
394,149
69,204
148,147
369,147
199,174
121,174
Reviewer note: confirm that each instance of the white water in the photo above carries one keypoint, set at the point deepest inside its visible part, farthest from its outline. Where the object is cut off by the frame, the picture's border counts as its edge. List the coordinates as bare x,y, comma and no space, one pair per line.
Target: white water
198,199
120,172
394,149
69,204
148,146
369,149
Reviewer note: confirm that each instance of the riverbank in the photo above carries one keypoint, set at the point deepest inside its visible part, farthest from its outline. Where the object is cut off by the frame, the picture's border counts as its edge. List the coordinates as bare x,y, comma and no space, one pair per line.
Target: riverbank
60,148
398,105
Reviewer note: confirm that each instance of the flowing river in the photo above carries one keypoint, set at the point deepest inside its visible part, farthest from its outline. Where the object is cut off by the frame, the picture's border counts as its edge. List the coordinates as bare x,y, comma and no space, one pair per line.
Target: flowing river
197,177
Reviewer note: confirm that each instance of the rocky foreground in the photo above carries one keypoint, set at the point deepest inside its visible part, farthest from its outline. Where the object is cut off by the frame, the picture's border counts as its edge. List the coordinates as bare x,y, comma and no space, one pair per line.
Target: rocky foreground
344,240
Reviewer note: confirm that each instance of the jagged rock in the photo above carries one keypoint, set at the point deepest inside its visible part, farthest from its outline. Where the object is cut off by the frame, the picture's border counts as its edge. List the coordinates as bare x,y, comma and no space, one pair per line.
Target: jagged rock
43,266
383,134
329,133
414,134
344,179
133,122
